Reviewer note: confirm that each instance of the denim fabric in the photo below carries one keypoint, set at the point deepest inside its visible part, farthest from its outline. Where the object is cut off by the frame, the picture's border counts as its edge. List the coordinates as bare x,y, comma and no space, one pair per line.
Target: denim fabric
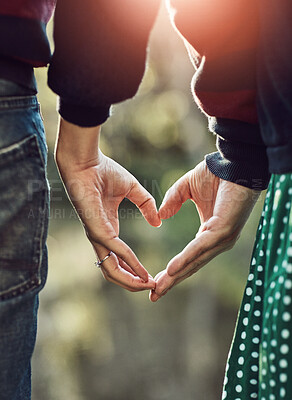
24,200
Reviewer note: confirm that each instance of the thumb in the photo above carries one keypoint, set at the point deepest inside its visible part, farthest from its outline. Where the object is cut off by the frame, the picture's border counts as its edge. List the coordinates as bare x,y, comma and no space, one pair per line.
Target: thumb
145,202
175,197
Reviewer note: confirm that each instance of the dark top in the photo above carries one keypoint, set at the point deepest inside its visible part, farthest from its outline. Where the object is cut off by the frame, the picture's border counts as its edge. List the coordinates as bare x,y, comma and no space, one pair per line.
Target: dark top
240,51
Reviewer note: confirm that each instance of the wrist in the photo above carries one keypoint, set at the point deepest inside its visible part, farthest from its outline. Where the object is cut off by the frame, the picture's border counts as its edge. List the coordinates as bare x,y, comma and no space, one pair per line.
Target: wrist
77,147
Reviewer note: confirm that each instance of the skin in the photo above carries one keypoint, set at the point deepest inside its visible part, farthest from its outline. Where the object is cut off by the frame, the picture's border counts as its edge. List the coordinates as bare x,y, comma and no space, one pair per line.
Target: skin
223,207
96,186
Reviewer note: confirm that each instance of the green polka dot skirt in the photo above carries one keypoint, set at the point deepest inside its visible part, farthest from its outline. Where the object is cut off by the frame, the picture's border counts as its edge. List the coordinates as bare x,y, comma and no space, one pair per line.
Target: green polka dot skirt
260,361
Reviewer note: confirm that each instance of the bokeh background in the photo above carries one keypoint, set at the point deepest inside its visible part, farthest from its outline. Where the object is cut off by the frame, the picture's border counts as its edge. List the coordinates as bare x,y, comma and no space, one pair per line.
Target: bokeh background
97,341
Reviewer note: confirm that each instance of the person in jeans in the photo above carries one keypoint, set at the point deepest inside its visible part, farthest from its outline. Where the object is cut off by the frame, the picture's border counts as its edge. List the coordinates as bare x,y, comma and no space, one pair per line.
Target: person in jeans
24,194
240,51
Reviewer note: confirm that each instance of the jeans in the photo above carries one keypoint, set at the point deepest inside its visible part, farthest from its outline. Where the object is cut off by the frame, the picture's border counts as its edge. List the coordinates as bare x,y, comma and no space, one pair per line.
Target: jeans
24,204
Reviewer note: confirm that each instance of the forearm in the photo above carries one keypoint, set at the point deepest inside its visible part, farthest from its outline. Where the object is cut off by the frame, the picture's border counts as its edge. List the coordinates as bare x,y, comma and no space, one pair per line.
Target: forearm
76,146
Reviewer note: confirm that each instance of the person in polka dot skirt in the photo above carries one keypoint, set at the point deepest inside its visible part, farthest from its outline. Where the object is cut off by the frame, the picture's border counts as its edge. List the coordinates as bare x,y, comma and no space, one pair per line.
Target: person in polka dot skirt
260,361
224,189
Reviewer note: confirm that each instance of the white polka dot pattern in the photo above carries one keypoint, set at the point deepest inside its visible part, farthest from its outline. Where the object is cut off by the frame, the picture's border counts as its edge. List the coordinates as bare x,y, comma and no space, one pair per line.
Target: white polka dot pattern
260,360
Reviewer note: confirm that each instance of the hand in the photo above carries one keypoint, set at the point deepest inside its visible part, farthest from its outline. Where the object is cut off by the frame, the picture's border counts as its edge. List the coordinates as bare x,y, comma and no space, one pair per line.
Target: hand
223,207
96,186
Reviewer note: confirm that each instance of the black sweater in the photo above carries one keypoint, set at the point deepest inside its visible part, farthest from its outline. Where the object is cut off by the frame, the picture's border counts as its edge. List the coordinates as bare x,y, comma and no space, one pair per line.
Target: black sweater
242,80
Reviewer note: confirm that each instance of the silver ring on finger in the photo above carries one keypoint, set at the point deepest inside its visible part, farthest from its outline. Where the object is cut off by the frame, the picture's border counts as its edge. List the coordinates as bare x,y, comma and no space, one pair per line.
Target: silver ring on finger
98,263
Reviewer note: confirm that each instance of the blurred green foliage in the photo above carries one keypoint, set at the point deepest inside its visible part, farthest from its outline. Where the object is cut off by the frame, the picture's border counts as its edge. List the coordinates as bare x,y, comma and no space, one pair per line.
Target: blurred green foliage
97,341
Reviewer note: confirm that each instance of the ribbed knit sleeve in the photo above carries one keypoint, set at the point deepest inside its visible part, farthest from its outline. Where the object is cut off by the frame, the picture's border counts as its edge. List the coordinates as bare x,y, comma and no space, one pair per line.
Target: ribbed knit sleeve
99,57
241,156
221,37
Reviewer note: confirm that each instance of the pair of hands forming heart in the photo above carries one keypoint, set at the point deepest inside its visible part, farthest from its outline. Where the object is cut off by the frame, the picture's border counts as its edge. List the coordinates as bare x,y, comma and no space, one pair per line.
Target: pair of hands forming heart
96,189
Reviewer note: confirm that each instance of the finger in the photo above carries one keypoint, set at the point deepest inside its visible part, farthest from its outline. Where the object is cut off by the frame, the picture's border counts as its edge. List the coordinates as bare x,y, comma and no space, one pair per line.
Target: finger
166,282
117,274
196,265
166,287
157,276
122,250
128,281
146,204
205,241
126,266
163,283
152,295
175,197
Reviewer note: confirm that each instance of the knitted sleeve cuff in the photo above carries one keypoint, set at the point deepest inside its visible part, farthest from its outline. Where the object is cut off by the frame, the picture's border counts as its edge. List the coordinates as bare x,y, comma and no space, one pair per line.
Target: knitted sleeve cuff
241,163
83,116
